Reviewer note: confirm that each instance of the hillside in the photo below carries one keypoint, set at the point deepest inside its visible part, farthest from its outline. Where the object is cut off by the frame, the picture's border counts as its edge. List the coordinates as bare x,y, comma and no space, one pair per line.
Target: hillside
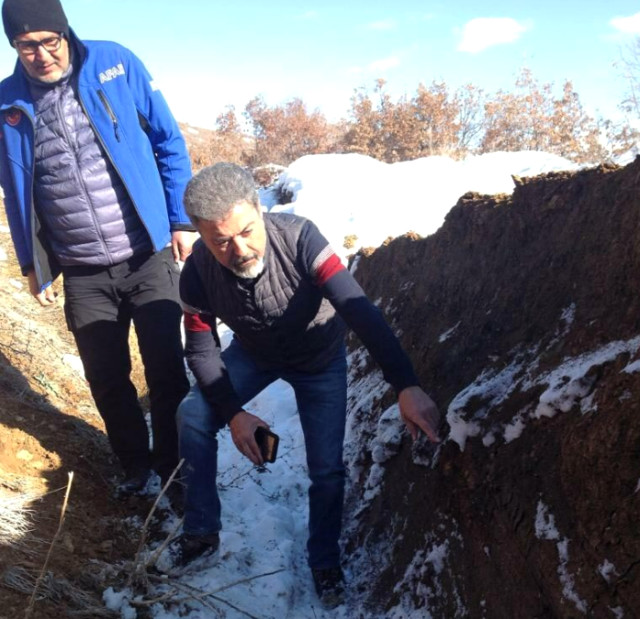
522,319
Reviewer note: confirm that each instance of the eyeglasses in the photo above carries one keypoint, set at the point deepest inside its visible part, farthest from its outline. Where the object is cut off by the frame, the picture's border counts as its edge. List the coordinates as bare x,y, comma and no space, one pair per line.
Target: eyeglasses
30,48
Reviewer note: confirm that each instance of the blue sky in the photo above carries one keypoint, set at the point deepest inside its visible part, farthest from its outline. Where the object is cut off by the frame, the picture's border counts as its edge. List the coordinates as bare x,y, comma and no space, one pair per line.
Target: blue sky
209,55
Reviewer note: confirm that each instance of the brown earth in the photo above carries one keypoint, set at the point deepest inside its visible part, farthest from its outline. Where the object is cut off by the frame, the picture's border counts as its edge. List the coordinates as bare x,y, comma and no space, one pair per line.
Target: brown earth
48,428
500,276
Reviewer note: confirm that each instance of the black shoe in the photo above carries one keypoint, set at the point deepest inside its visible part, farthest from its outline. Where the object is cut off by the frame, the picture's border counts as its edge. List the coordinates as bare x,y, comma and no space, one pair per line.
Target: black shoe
187,548
134,482
329,584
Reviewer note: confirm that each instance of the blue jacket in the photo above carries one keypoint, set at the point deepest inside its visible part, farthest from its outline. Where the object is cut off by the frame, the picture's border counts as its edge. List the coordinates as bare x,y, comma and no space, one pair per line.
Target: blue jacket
134,125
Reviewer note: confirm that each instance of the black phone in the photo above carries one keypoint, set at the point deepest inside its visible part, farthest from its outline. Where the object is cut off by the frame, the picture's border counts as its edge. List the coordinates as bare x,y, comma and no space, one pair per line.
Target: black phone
268,443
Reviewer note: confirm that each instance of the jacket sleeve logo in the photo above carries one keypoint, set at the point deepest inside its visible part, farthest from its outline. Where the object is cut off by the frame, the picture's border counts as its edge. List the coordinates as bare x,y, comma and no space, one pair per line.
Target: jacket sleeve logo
113,72
13,116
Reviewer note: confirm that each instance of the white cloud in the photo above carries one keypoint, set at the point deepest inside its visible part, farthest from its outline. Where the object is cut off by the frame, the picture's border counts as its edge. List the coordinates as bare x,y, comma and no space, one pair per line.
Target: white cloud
483,32
384,64
628,25
385,24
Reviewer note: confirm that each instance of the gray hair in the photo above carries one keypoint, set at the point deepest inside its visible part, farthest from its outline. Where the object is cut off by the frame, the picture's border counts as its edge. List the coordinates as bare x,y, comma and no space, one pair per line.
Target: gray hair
216,189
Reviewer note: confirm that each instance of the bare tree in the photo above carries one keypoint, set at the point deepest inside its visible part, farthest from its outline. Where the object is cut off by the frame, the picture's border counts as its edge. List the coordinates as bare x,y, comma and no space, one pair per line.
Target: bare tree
434,121
283,133
629,65
530,118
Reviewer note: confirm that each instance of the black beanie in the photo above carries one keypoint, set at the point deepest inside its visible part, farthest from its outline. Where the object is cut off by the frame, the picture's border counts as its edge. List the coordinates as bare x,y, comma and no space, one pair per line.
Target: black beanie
19,16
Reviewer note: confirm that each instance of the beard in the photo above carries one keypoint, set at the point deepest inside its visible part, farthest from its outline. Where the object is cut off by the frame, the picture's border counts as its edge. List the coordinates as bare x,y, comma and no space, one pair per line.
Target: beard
248,267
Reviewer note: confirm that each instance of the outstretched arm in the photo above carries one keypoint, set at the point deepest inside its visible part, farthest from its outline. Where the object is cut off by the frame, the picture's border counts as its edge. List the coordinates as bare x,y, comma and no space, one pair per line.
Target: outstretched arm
417,409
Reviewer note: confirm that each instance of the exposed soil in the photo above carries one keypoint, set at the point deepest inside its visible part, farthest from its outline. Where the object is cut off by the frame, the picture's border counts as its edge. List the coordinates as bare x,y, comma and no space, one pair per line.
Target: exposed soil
48,428
527,281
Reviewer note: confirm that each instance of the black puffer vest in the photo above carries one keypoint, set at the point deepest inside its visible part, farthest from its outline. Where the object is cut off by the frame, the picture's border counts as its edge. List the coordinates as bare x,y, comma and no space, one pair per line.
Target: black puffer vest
281,317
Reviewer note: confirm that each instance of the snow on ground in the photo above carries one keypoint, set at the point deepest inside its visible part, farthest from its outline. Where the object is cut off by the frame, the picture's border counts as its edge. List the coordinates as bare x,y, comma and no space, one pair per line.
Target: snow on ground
353,194
265,513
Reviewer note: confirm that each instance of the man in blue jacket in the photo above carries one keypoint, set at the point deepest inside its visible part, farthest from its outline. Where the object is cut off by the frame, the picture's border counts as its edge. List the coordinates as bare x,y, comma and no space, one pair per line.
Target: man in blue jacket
93,168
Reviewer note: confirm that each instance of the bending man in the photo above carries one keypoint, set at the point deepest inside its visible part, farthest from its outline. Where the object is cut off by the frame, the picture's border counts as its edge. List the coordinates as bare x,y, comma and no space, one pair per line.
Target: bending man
275,281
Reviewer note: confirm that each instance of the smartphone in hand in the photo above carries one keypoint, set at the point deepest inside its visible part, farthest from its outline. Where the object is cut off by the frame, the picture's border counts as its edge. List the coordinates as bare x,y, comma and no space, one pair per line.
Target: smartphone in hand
268,443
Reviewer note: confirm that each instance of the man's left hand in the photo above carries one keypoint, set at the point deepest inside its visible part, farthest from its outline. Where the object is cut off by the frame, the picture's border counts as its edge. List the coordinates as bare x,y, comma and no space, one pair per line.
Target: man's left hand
181,242
419,412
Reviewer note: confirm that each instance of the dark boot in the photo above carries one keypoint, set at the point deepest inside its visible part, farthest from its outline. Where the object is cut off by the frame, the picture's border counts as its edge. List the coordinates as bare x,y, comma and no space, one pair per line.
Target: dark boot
329,584
187,548
134,482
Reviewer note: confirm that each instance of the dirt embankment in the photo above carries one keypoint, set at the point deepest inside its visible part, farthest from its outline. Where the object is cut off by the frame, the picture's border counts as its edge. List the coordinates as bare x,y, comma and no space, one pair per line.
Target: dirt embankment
521,315
48,428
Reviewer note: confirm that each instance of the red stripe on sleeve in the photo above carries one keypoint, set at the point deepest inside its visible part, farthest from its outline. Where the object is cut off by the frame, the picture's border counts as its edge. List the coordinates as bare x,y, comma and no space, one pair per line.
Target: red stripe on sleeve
328,269
196,322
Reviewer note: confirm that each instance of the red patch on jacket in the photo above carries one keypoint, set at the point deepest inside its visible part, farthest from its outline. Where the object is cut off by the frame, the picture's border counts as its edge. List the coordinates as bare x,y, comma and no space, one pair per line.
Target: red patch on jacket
196,322
327,269
13,117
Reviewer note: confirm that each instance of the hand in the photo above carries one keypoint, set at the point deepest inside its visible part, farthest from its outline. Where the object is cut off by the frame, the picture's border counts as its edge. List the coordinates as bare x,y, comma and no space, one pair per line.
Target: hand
419,412
46,296
181,242
243,426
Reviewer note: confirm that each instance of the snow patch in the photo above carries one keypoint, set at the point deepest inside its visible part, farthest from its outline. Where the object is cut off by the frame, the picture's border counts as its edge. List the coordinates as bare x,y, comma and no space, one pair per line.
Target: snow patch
567,385
545,524
118,601
566,578
607,570
568,314
74,362
513,430
447,334
545,528
422,582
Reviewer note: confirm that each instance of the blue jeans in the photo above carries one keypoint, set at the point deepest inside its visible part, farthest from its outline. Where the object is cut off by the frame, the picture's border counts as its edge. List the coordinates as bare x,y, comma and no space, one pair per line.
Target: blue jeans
321,398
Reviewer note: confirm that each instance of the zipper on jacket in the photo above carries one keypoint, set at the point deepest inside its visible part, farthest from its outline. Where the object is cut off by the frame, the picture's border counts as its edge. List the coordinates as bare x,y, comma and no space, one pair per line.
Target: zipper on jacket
113,163
112,116
82,184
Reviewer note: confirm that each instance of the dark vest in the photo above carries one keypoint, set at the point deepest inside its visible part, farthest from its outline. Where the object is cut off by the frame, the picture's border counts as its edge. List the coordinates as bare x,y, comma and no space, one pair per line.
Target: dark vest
280,317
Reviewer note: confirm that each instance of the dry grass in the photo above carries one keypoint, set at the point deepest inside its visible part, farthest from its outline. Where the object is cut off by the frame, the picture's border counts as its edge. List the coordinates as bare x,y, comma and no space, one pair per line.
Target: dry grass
45,586
15,518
